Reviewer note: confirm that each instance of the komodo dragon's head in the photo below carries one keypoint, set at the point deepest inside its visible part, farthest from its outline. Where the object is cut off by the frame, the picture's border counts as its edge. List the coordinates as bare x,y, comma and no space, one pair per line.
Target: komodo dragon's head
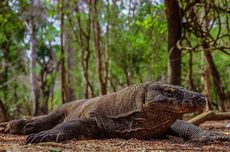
173,98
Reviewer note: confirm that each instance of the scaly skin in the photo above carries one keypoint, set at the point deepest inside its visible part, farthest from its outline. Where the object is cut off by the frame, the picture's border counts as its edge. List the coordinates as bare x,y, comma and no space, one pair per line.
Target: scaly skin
196,134
148,110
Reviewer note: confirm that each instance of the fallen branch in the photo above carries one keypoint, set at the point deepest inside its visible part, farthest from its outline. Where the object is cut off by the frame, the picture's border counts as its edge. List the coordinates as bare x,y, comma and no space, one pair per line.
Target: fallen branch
209,115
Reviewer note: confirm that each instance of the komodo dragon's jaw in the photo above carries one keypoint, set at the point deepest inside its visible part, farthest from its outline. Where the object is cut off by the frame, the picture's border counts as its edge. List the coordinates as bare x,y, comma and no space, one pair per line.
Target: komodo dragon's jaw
173,98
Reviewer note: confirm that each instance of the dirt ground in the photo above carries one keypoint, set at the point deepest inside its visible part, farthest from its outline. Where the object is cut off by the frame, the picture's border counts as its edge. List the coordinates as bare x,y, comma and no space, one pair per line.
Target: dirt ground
13,143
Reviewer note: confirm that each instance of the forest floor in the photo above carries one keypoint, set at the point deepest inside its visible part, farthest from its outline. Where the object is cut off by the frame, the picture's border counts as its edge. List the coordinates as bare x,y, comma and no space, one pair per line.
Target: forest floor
16,143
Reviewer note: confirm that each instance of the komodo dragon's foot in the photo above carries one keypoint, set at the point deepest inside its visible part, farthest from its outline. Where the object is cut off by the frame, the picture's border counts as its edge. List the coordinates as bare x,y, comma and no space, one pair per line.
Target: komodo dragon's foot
48,135
61,132
210,136
66,130
21,127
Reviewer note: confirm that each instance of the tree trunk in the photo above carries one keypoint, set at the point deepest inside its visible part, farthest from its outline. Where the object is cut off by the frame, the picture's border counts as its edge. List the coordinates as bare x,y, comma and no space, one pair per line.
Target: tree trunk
5,72
107,46
63,69
70,64
207,83
33,77
97,49
44,95
191,82
173,14
216,77
84,39
3,82
3,111
214,72
89,88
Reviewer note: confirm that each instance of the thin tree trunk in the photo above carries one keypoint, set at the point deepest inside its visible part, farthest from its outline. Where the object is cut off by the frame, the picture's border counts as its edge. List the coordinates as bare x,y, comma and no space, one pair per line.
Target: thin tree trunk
127,74
174,34
112,85
5,73
44,107
216,77
34,91
84,38
214,72
33,77
86,57
3,111
207,86
89,86
97,49
70,64
191,82
206,74
63,69
106,53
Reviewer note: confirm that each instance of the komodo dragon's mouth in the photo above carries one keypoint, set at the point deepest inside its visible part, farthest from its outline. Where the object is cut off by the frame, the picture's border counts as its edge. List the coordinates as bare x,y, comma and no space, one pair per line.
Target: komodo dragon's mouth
176,109
176,106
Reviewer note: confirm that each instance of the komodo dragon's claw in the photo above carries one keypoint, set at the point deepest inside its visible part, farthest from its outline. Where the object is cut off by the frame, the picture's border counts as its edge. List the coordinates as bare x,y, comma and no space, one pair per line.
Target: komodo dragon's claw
46,136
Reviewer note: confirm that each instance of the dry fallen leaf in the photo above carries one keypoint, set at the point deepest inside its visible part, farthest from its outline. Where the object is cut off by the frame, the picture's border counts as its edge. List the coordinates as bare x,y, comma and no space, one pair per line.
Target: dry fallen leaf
17,144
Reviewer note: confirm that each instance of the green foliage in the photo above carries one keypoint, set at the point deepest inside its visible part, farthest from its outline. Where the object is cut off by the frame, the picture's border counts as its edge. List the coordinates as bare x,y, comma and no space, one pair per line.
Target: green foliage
135,34
12,57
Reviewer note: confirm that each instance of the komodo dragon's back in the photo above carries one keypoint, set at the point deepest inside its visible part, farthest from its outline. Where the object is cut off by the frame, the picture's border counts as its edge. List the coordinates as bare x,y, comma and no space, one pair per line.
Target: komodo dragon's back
114,105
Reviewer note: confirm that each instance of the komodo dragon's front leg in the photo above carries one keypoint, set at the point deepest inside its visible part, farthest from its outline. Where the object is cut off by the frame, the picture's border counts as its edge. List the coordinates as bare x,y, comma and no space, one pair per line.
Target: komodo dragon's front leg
36,124
67,130
194,133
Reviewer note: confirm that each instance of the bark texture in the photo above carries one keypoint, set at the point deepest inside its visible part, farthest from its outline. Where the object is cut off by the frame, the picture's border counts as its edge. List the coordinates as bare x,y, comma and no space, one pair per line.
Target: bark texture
84,41
33,77
101,66
173,14
63,68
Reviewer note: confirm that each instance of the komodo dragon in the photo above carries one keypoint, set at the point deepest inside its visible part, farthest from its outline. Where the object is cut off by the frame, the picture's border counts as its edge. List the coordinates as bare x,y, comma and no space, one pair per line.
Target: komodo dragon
144,111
